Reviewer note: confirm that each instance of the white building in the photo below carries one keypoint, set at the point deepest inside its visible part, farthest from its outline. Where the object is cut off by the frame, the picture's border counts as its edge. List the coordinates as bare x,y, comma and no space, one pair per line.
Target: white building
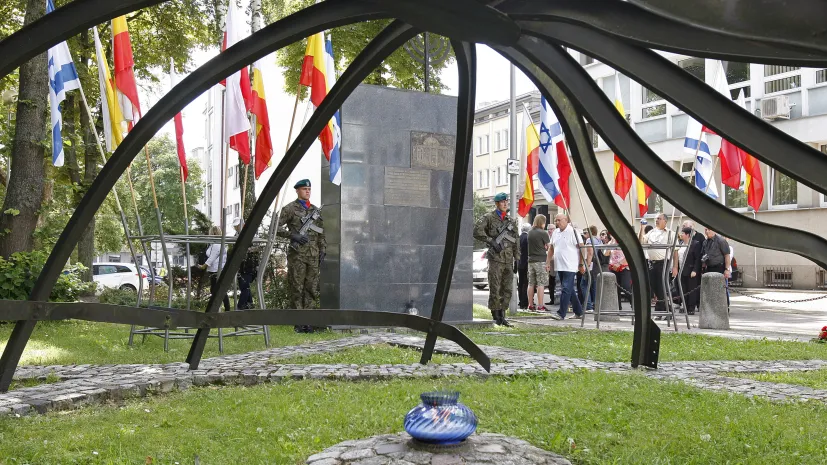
793,99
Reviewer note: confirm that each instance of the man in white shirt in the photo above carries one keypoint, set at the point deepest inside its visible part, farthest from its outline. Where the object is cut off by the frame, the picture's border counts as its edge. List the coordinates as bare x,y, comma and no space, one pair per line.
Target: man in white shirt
660,236
565,250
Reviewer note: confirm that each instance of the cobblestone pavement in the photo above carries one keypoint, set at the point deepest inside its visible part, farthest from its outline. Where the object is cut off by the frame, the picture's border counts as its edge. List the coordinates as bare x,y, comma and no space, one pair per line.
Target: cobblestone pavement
79,385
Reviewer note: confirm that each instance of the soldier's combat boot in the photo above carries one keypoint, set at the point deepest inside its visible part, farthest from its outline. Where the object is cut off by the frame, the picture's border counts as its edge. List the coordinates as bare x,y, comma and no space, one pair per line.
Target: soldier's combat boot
503,321
495,315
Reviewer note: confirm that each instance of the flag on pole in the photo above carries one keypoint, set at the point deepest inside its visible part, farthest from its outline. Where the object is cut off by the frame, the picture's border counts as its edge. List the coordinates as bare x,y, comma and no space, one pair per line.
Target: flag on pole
703,169
530,156
126,88
113,122
643,192
62,77
179,126
318,73
753,180
729,155
237,98
554,170
622,173
264,145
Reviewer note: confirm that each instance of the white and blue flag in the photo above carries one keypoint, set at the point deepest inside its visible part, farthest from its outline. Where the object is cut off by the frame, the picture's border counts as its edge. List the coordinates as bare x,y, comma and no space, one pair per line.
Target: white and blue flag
703,169
62,77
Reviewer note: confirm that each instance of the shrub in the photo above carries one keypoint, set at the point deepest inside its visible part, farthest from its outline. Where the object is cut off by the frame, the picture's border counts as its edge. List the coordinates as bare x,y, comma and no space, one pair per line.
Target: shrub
19,272
115,296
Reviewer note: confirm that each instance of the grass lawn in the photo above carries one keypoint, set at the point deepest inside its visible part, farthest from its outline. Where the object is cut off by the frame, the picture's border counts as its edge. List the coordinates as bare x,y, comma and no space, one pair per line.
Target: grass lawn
816,379
590,417
378,354
616,346
80,342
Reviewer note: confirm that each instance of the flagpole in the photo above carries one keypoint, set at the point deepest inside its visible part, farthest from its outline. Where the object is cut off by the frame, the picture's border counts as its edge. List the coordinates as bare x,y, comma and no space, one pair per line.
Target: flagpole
114,192
160,224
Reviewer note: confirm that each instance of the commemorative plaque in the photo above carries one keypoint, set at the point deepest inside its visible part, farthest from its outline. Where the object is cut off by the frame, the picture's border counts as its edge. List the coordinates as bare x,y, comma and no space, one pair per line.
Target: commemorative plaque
432,151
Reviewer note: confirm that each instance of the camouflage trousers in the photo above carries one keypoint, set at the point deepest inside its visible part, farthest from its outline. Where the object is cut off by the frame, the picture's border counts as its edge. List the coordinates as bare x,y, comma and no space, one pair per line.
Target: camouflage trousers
500,283
303,282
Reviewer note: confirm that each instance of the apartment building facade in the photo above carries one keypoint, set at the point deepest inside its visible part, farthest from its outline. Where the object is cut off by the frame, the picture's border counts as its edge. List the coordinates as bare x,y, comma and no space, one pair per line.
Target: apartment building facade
792,99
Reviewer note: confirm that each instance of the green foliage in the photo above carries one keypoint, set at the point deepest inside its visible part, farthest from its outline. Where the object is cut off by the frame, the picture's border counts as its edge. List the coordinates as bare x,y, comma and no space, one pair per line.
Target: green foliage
589,417
166,171
19,272
75,342
114,296
816,379
398,70
616,346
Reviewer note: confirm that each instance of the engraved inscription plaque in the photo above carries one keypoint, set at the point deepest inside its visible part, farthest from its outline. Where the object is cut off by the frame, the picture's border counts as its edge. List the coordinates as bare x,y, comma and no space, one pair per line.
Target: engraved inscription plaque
407,187
432,151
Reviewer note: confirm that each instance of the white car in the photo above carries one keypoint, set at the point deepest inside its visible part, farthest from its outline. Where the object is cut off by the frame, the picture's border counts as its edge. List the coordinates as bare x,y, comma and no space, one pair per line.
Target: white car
479,269
118,276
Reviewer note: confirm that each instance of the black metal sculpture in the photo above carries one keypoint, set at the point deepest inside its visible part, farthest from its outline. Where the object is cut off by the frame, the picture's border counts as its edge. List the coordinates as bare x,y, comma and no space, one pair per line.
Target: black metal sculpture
530,34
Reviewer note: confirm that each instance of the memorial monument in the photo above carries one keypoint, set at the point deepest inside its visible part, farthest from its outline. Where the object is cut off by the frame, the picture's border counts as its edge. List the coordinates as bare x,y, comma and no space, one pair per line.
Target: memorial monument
385,225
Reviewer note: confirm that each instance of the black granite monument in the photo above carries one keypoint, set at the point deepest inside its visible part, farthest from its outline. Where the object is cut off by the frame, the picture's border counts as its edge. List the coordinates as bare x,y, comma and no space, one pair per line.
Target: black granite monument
385,225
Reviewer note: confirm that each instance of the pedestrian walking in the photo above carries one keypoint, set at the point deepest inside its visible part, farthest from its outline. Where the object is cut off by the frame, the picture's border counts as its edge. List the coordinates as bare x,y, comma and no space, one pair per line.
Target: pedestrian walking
566,250
216,255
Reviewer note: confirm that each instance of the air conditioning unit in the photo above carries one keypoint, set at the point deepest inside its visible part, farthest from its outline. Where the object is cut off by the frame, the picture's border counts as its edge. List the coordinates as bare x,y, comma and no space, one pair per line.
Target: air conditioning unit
773,108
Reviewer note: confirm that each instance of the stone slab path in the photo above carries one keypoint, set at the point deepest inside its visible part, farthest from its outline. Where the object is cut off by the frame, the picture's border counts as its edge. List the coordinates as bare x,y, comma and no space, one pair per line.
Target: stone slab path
80,385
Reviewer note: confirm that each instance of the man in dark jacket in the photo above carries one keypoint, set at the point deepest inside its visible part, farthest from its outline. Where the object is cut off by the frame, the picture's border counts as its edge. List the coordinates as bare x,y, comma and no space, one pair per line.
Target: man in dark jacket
522,268
691,271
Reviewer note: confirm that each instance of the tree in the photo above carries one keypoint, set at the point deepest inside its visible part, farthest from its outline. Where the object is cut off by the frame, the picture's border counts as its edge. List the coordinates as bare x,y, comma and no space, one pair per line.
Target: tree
21,206
165,167
398,70
481,207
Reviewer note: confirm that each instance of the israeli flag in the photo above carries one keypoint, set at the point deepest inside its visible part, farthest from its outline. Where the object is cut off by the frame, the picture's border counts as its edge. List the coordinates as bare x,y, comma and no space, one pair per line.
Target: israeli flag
62,77
336,122
703,169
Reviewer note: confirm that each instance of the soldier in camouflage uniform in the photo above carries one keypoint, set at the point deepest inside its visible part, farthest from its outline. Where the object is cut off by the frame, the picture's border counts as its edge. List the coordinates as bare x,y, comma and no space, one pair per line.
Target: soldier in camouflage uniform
306,253
502,257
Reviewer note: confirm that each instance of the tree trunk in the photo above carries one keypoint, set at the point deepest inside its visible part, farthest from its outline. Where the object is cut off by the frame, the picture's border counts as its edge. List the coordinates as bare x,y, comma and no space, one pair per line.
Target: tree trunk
249,171
20,211
86,246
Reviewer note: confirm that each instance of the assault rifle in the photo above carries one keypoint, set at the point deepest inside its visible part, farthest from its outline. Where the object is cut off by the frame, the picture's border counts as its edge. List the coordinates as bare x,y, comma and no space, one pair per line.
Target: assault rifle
504,235
308,224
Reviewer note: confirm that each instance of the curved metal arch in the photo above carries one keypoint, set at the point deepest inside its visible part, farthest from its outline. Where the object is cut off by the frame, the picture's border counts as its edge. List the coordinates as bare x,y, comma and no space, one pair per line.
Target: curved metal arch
797,23
646,336
646,29
762,140
59,25
391,38
574,81
467,65
481,23
273,37
175,318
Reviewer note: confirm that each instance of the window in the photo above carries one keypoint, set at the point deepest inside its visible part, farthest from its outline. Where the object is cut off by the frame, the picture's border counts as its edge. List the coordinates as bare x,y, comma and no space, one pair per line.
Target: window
784,190
123,269
502,176
736,72
115,258
688,172
694,66
783,78
230,172
735,198
501,139
780,85
237,175
235,210
484,144
653,104
821,76
483,179
655,204
772,70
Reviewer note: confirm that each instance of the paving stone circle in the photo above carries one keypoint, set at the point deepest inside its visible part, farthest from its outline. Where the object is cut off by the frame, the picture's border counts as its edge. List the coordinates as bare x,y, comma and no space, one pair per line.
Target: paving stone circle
483,448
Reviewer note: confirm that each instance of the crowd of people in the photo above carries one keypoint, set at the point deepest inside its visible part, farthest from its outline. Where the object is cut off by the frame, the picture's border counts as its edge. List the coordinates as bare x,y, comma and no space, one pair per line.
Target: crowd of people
547,254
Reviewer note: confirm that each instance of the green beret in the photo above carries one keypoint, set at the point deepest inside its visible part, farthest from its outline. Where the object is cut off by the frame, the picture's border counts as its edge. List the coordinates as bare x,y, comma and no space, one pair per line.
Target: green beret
500,197
302,183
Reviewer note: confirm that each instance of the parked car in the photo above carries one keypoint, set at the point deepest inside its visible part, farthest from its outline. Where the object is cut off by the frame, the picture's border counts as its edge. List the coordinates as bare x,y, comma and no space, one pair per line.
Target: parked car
480,269
118,276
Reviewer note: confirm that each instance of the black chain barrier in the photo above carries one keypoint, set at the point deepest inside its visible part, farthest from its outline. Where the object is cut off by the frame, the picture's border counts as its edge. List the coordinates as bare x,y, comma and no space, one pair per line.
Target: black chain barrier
776,301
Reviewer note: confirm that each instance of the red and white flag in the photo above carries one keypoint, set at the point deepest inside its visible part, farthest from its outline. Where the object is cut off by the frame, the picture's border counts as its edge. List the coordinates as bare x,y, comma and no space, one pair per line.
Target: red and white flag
237,98
179,126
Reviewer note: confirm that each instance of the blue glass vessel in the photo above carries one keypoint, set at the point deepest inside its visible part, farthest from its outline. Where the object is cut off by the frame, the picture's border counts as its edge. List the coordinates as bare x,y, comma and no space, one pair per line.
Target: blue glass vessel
440,419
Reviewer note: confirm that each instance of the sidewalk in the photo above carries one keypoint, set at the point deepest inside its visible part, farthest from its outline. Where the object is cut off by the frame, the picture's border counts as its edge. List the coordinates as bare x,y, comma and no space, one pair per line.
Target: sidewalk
749,318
